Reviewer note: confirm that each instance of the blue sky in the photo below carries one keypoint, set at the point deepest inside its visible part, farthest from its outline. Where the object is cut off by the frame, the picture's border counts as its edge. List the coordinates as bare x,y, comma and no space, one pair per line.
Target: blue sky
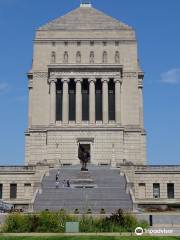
158,32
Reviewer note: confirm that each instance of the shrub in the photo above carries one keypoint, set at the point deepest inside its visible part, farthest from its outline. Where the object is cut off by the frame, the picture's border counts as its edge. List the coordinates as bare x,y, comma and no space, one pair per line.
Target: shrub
55,222
16,222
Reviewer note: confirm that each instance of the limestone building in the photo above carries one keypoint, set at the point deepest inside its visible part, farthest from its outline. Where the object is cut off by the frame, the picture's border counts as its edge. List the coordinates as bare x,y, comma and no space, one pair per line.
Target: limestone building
85,88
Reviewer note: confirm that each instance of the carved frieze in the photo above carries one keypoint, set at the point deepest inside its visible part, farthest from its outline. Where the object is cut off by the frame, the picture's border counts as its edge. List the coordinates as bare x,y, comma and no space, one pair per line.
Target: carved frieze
129,74
71,74
40,74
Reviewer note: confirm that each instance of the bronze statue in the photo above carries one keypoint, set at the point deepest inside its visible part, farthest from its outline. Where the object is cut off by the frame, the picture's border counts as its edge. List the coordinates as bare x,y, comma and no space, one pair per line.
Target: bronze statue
84,157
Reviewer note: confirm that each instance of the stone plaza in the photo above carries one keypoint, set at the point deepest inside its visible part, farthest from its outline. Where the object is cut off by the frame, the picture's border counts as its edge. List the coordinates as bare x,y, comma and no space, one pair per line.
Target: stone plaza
86,88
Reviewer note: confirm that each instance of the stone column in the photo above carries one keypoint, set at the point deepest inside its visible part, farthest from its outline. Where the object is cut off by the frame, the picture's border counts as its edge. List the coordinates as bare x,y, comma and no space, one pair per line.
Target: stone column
92,100
141,114
52,82
118,82
65,109
105,106
78,100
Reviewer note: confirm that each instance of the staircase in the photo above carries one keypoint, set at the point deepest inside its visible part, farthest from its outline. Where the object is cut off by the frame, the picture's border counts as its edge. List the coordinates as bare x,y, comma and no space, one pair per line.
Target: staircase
100,187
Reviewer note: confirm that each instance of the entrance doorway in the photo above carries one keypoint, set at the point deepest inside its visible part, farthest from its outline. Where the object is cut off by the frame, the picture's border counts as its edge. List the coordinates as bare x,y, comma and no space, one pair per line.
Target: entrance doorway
85,149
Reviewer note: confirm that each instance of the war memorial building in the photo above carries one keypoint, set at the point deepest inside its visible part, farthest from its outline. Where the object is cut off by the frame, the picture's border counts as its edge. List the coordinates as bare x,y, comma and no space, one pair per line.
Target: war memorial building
86,88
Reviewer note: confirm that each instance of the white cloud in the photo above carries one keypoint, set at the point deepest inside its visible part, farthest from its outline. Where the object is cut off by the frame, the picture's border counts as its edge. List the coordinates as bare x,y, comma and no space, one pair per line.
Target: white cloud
172,76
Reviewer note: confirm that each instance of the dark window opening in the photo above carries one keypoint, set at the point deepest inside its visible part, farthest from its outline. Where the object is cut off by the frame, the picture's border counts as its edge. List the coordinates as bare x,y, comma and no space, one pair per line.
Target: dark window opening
72,100
170,190
13,190
59,94
98,100
27,184
1,191
111,96
156,190
85,100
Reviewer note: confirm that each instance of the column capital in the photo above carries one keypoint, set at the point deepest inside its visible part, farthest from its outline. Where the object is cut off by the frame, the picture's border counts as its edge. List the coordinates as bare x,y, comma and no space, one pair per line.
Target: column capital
105,79
118,79
52,79
92,79
65,80
78,80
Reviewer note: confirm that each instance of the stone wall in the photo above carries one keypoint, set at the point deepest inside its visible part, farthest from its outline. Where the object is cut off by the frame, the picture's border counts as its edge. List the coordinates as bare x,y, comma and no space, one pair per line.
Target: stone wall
61,146
28,180
148,175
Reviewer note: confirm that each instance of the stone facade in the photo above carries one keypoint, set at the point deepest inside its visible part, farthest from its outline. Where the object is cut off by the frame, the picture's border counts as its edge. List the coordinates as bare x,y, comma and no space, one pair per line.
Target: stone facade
86,45
78,47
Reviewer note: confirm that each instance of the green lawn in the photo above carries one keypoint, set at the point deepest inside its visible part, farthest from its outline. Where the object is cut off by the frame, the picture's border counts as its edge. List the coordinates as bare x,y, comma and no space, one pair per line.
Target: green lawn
88,238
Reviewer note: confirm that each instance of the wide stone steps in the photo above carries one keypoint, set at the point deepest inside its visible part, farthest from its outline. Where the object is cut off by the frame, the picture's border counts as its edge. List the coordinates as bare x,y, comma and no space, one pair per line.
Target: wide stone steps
108,192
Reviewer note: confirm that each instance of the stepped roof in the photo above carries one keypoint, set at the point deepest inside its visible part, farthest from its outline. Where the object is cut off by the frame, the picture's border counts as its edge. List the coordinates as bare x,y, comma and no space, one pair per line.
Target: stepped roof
85,17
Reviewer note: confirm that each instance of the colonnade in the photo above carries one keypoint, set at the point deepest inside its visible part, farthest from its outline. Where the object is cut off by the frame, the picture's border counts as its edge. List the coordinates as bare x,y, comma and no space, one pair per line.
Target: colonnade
92,101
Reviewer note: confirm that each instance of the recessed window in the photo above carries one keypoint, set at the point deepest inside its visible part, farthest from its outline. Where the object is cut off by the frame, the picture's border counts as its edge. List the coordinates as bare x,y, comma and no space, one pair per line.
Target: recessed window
116,43
92,43
53,44
1,190
156,190
78,43
13,190
27,184
170,190
66,43
104,43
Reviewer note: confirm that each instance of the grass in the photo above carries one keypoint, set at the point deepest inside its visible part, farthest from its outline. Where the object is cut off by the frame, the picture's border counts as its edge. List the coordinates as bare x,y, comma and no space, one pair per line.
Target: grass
89,238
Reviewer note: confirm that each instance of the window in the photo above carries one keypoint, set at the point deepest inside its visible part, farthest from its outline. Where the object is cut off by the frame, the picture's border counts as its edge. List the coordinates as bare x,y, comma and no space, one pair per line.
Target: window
92,43
65,60
53,44
85,100
66,43
170,190
116,43
13,190
98,98
78,57
117,57
1,190
27,184
78,43
53,57
91,60
59,94
104,60
104,43
156,190
111,102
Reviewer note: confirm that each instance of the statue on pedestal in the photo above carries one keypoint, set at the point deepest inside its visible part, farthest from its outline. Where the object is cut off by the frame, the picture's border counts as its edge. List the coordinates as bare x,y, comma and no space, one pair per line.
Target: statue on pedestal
84,157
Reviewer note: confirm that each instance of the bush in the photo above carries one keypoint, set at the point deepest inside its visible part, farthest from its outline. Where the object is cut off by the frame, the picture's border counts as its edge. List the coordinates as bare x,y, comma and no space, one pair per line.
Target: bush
44,222
55,222
17,222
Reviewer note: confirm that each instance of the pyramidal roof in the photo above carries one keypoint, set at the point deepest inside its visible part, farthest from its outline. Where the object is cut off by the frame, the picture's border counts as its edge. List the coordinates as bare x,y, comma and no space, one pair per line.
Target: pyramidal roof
85,18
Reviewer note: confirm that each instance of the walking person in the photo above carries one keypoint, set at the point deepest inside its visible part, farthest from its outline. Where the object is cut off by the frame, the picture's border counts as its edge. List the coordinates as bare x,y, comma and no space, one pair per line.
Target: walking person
68,183
57,184
63,183
57,177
